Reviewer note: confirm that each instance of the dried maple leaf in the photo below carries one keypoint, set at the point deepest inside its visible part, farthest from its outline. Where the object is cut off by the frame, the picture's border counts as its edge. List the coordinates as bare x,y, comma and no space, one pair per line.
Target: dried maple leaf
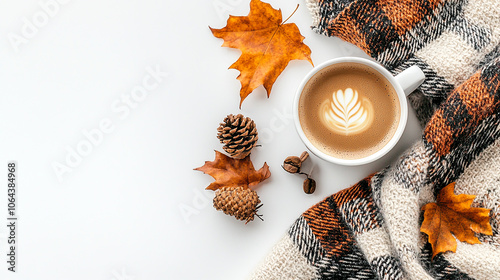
453,214
267,45
230,172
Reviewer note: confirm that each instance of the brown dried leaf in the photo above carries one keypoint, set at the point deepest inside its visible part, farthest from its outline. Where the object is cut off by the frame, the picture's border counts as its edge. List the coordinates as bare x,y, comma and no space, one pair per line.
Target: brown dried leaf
230,172
267,45
453,214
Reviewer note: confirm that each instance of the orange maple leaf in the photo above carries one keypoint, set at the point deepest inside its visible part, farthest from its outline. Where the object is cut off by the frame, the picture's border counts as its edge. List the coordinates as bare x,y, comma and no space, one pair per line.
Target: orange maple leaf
230,172
453,214
267,45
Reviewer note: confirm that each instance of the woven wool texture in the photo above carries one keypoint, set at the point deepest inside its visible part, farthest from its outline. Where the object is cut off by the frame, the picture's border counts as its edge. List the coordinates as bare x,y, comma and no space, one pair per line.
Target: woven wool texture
371,230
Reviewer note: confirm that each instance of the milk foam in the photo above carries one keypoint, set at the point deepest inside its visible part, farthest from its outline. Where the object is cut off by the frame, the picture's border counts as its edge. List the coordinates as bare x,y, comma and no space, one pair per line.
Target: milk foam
346,112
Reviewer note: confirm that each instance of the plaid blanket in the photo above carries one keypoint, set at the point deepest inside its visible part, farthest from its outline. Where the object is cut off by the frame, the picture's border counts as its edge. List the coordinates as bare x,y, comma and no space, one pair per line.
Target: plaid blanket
371,230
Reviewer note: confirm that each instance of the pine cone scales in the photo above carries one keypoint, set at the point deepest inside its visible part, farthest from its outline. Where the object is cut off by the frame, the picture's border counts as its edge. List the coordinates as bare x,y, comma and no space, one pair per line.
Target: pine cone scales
238,134
240,202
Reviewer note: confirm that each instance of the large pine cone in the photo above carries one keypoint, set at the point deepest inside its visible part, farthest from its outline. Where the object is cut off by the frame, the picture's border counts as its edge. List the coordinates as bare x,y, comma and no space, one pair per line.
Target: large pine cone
240,202
238,134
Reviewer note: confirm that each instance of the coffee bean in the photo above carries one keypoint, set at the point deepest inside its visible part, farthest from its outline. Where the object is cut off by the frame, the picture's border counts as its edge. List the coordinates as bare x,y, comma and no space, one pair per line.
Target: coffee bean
309,186
292,164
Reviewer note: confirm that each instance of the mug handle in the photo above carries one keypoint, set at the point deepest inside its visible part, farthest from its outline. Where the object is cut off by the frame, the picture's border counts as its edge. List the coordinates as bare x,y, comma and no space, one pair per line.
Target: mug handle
410,79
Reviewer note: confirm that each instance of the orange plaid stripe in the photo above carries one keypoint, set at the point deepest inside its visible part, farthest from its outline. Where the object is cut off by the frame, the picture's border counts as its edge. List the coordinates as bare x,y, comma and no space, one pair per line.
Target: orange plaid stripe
439,134
327,225
465,108
405,14
476,98
359,190
346,29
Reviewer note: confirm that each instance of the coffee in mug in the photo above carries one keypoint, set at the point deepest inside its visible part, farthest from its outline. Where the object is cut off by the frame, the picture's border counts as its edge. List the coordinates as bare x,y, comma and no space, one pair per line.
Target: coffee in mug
349,110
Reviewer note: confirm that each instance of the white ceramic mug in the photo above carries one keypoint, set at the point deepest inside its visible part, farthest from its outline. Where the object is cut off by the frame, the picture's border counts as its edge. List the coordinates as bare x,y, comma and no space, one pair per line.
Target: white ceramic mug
404,83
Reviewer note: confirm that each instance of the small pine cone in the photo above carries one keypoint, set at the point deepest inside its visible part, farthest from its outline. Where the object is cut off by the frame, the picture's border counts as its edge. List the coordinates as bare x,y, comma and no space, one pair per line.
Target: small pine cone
238,134
242,203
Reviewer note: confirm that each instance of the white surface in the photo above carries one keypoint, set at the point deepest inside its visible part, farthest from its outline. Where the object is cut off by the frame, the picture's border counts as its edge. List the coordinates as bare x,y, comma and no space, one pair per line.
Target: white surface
118,213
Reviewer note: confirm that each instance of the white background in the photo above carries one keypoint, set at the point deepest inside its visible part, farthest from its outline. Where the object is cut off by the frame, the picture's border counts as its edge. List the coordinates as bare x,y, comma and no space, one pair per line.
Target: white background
132,207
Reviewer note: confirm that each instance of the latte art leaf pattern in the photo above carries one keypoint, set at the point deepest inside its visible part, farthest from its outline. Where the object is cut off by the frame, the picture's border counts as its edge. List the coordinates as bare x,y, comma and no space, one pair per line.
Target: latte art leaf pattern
347,112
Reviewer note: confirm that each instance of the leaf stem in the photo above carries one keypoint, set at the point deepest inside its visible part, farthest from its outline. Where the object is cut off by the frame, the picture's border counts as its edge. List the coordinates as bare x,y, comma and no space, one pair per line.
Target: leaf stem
290,15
